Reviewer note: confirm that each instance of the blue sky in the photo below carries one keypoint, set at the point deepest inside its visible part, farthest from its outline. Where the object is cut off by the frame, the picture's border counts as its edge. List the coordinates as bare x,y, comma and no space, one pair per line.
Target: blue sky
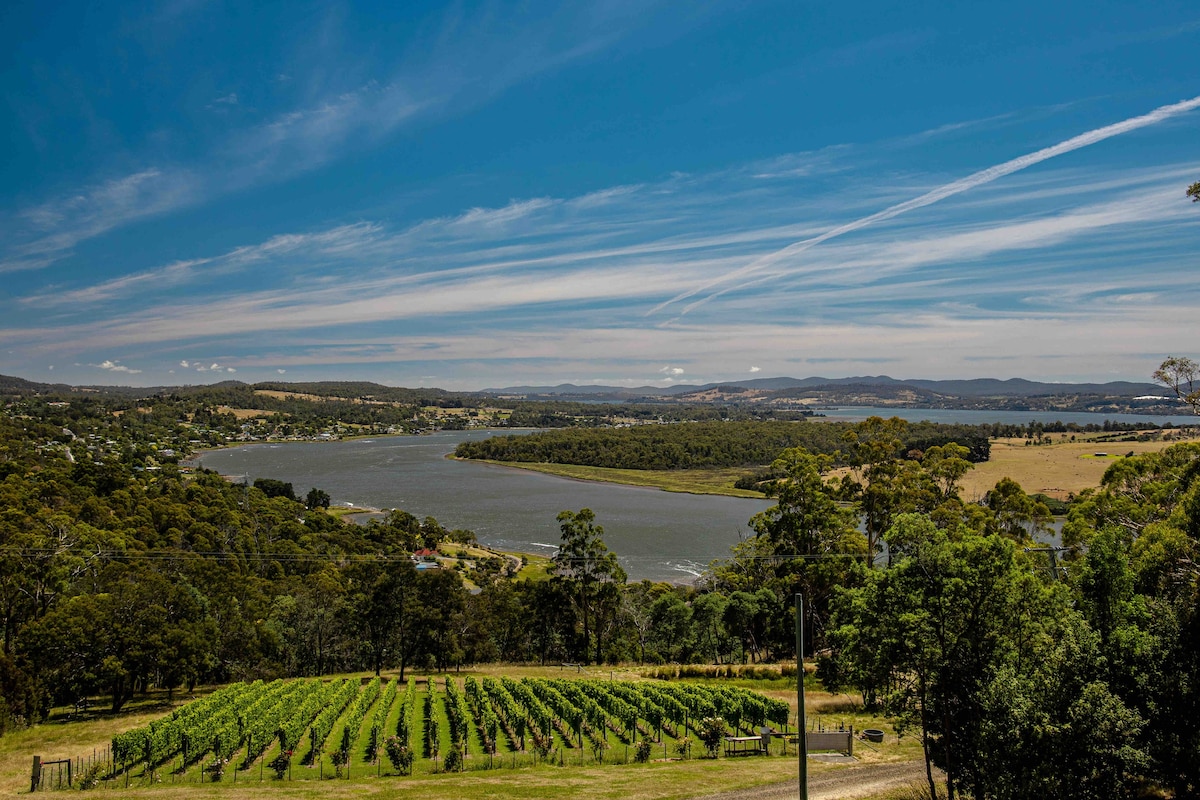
485,194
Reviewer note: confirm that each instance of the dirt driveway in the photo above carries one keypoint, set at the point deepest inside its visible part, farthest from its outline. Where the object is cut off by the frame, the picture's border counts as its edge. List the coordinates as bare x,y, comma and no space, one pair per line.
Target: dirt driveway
865,780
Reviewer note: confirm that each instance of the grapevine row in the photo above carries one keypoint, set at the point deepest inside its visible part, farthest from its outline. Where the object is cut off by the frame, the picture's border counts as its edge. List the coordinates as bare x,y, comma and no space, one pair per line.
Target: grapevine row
323,724
379,718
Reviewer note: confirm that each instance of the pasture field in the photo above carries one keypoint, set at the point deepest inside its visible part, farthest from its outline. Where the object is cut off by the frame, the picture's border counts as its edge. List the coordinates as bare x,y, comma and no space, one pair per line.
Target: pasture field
1059,469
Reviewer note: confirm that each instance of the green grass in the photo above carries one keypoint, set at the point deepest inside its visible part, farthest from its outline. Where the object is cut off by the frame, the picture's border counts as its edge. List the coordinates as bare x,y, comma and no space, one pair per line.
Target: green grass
536,568
689,481
515,775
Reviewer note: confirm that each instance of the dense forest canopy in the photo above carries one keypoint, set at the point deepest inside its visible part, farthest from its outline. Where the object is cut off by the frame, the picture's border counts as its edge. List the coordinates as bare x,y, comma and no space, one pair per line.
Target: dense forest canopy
704,444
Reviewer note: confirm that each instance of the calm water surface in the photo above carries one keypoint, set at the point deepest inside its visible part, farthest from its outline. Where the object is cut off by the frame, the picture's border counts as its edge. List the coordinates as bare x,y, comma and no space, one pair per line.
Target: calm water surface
972,416
657,535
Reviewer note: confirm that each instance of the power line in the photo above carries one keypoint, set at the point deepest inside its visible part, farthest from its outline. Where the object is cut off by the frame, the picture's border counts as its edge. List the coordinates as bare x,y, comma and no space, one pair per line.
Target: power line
333,557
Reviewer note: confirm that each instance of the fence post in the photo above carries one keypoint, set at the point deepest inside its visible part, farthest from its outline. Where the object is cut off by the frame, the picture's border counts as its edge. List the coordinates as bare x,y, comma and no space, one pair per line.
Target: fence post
800,723
35,778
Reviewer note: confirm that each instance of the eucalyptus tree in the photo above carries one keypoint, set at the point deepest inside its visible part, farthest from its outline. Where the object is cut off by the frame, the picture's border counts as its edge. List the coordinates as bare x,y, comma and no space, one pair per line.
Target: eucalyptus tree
590,573
1182,375
924,638
805,543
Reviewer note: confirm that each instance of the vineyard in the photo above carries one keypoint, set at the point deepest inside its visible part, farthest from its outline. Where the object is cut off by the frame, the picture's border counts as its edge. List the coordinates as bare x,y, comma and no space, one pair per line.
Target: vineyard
305,729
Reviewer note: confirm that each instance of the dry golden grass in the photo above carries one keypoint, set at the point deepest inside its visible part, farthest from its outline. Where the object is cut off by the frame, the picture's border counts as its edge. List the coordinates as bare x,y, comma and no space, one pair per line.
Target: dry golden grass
243,413
1056,470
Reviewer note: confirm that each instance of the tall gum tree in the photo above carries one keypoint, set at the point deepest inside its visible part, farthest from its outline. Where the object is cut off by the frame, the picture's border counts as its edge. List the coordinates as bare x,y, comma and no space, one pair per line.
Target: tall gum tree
1181,375
590,571
807,542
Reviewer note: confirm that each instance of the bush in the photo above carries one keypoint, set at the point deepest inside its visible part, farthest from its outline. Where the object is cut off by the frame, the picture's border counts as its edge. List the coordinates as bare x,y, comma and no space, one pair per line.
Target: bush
683,748
280,763
91,776
641,751
712,731
216,768
399,754
454,760
339,758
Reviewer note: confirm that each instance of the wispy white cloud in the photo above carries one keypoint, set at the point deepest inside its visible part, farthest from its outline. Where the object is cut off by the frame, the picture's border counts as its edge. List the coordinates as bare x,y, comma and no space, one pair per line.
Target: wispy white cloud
116,366
471,65
42,234
968,183
1073,255
555,262
328,243
223,103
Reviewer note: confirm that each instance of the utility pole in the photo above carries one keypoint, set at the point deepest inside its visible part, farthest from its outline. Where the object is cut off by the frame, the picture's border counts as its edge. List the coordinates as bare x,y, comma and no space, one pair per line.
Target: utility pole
801,724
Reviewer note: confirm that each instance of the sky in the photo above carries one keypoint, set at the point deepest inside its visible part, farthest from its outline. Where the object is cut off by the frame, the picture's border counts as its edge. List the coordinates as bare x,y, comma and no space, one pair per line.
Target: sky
470,195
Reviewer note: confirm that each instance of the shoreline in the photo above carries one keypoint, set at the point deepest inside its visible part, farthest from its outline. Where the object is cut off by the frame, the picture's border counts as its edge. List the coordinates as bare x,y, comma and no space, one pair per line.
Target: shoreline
660,480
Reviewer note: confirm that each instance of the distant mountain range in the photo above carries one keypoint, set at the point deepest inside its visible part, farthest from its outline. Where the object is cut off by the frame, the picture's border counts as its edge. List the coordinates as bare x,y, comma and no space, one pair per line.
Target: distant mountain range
793,394
976,387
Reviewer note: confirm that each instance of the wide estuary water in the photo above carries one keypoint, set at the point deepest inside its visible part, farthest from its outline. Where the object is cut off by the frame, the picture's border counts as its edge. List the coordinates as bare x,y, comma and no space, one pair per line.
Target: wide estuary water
657,535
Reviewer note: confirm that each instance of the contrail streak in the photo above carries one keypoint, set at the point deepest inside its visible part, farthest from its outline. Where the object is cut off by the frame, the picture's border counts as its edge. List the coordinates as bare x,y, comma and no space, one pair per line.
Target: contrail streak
942,192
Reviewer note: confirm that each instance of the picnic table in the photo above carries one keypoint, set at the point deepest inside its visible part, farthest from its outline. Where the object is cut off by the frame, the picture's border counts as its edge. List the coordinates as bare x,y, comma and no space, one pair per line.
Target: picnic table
747,745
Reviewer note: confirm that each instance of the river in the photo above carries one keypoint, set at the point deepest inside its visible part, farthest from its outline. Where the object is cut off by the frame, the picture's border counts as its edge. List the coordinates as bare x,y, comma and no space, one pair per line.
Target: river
973,416
655,534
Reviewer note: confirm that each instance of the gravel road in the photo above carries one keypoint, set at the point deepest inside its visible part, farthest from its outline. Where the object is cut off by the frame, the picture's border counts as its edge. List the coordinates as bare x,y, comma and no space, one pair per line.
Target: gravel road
864,780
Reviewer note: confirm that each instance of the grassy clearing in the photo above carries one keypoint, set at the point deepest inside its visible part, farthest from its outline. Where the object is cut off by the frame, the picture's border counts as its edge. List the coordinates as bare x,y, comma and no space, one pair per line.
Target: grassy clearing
689,481
536,568
1057,470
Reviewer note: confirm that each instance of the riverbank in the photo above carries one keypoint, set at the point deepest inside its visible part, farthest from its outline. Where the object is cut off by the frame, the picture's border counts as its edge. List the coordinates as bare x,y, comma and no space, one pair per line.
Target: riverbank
689,481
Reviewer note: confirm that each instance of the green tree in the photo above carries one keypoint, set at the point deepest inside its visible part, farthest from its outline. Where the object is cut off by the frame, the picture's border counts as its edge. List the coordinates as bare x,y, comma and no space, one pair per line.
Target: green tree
1193,192
383,601
925,638
316,498
811,542
708,611
589,570
1138,585
1015,514
1058,730
275,488
874,451
1182,375
671,626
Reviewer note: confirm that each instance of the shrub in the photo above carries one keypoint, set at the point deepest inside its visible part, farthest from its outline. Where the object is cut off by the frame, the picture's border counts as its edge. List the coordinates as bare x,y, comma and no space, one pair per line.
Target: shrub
641,751
216,768
339,758
683,748
454,761
91,776
399,754
712,731
280,763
